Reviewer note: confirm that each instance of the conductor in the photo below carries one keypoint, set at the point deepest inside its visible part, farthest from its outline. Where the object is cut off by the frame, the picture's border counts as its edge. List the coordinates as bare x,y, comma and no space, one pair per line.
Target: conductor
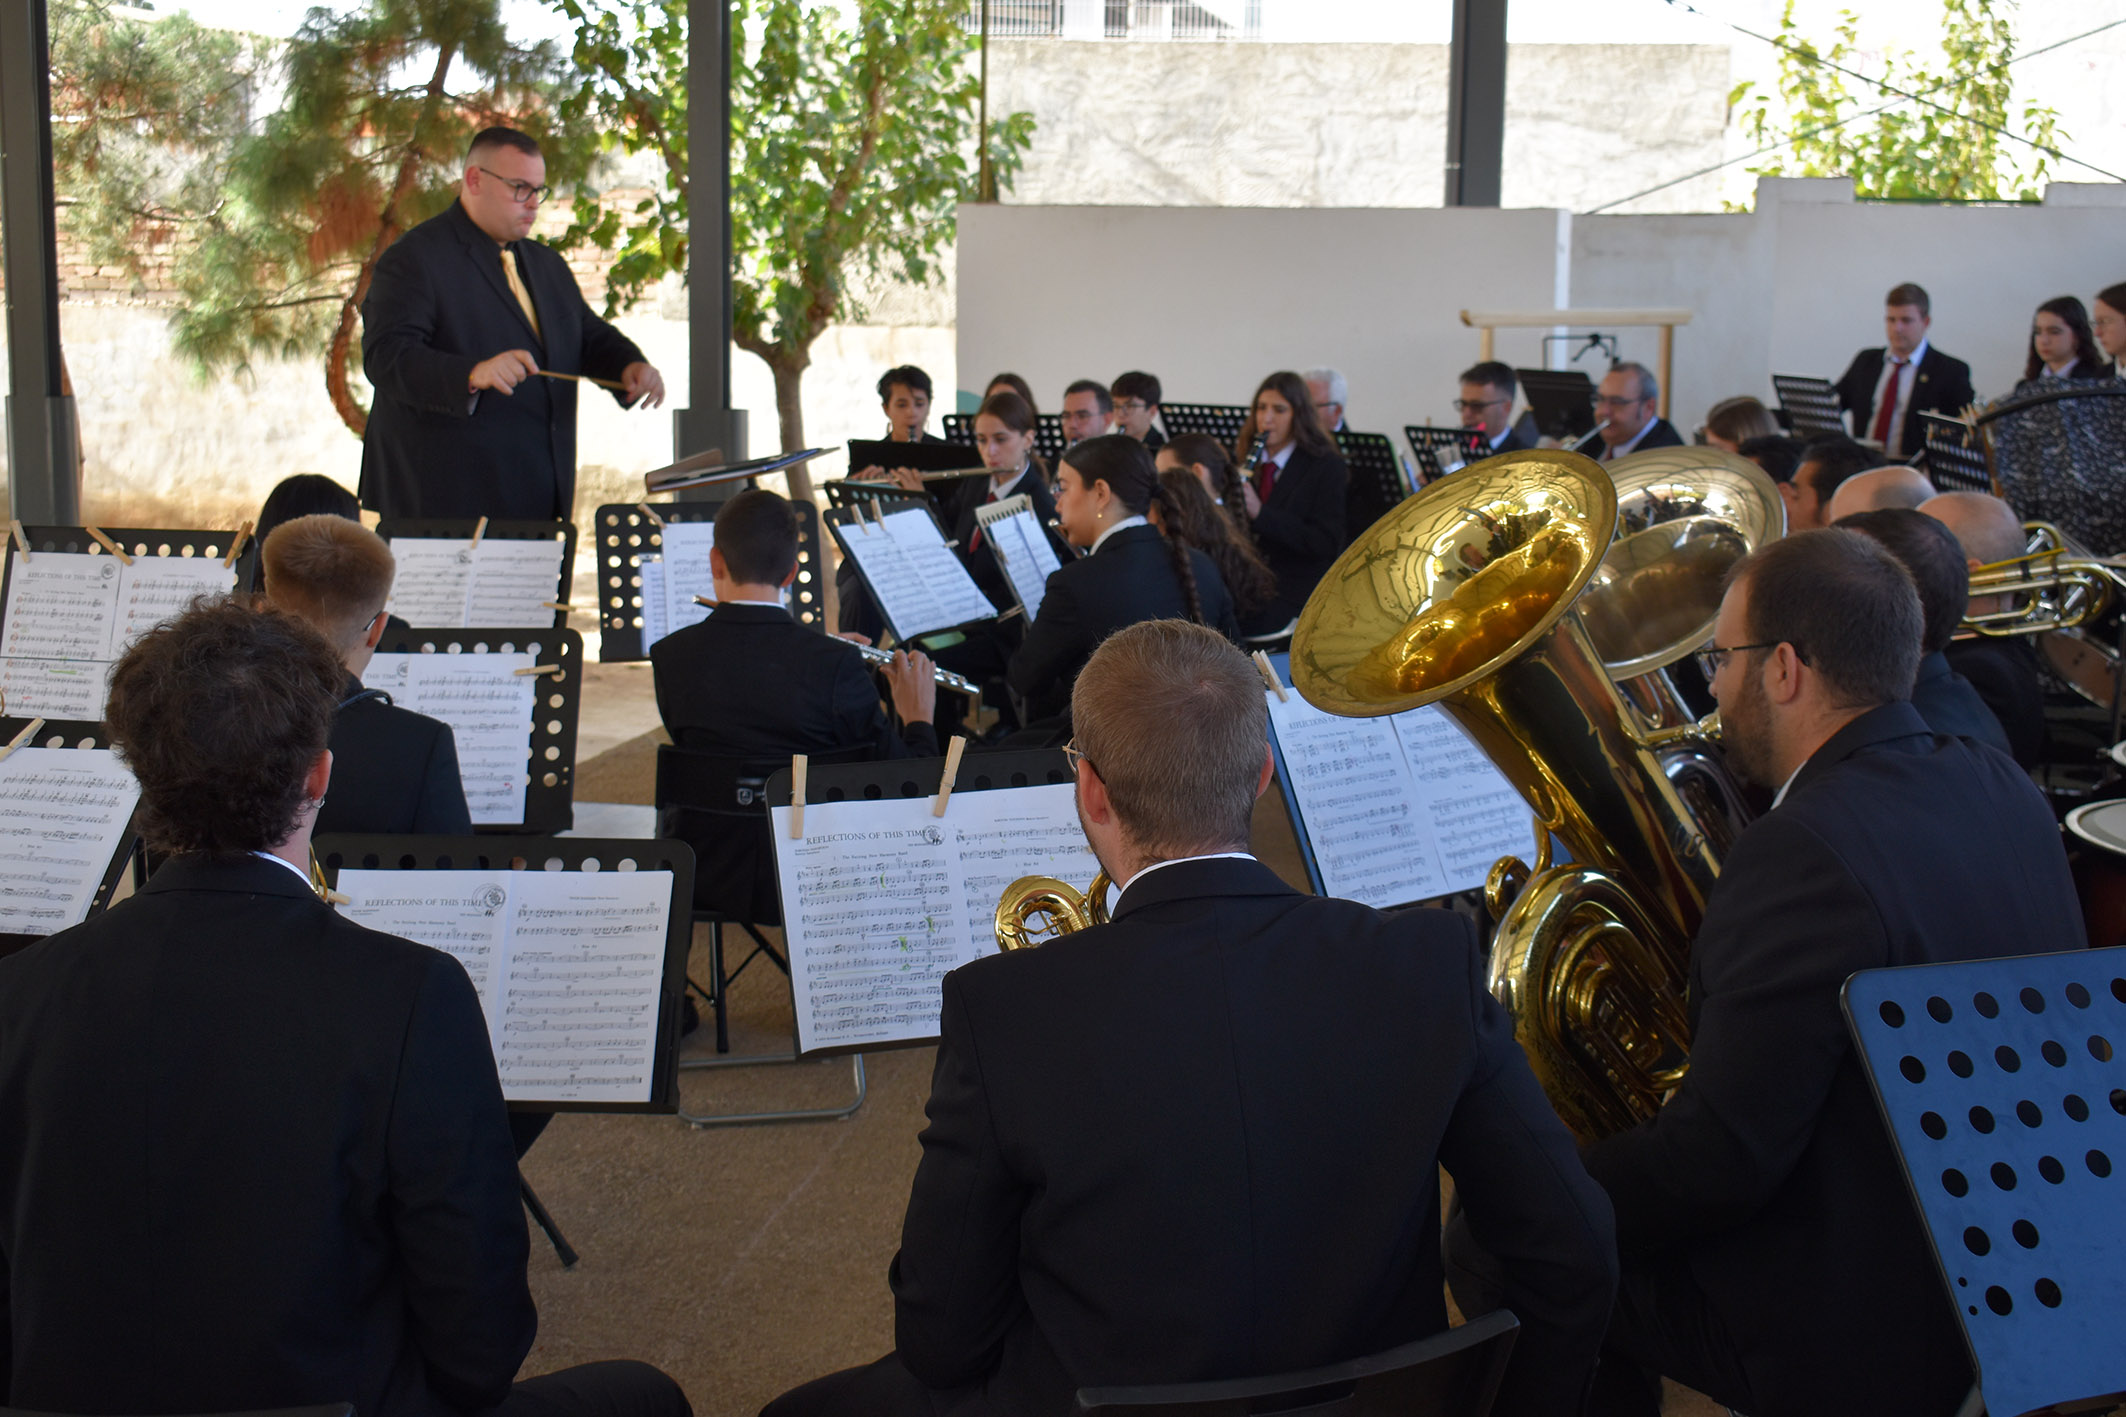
463,318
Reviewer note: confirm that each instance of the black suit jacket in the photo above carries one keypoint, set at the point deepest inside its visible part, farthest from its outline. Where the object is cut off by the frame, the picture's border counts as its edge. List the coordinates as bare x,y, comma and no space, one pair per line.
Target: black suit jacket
1513,442
1769,1171
2004,674
1158,1152
1302,527
252,1155
750,682
438,305
1663,434
1130,578
393,770
1941,385
1949,704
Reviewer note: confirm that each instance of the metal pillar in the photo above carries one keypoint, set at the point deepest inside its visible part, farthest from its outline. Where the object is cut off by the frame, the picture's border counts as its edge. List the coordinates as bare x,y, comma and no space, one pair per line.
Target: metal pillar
44,484
708,421
1476,103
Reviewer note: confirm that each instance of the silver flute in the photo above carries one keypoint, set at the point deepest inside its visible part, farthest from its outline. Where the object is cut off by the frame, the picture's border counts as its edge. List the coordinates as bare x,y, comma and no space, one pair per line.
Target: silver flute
958,683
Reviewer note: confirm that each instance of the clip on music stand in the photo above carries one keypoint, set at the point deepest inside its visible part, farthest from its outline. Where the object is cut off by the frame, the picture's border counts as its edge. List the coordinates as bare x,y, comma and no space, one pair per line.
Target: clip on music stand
462,528
1954,456
2004,1089
1810,404
627,534
1428,441
550,776
1561,401
61,734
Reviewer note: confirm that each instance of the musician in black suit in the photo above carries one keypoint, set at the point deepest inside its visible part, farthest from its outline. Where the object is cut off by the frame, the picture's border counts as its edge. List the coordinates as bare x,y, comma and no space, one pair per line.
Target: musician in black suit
462,314
2002,668
1297,495
1629,401
1203,1141
1137,396
1486,406
252,1154
1107,487
398,770
1773,1256
750,682
1927,381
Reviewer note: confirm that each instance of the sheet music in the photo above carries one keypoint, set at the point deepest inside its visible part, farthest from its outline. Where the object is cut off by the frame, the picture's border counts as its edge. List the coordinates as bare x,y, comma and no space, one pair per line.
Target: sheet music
919,584
63,816
670,584
71,615
881,900
1397,809
1022,548
447,584
489,708
569,966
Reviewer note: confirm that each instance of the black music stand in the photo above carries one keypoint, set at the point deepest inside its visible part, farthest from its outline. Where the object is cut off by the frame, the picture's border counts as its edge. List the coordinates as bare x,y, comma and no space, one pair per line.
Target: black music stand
550,781
461,529
1560,400
922,457
628,531
1810,405
1431,445
1376,486
58,733
1218,420
887,497
2003,1087
1954,456
1047,434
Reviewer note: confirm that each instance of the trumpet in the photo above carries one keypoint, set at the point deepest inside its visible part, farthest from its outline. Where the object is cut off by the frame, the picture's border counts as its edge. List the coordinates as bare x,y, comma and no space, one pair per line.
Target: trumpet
1037,908
958,683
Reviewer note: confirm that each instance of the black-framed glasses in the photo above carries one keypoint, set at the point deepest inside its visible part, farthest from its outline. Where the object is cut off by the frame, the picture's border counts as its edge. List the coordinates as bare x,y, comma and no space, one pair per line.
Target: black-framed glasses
1713,656
523,193
1072,752
1472,405
1132,406
1619,400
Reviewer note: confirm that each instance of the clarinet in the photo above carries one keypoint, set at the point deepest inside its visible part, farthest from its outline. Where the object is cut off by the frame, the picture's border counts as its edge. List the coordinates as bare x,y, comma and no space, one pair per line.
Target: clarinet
1252,464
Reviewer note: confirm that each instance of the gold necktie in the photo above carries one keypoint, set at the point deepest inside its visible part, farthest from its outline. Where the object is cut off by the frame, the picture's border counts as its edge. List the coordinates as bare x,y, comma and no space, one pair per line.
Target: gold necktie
516,288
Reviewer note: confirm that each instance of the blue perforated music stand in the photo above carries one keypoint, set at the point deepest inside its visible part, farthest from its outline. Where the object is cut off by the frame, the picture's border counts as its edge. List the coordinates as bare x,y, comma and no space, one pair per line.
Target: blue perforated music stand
2005,1089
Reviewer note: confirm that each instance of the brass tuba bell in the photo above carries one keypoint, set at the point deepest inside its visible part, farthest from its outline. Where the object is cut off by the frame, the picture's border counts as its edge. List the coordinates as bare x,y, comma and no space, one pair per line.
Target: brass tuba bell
1037,908
1471,595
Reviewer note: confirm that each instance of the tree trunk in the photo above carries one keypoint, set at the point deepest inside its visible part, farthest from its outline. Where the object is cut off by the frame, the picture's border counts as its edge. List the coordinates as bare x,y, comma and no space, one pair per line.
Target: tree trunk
789,373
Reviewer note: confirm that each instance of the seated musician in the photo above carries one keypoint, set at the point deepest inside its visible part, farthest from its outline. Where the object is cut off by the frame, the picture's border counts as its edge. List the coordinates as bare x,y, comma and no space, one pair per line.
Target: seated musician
1295,497
1328,391
1486,406
1213,466
1825,463
1887,388
904,394
2002,668
1088,411
1104,493
254,1156
2107,321
1008,382
1627,405
1159,1152
398,770
1777,454
1137,395
1188,514
2062,346
750,682
1774,1259
1734,421
1879,489
1930,555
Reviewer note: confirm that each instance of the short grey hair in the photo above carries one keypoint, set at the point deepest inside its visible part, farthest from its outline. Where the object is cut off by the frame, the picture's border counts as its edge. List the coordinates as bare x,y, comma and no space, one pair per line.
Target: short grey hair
1339,391
1649,386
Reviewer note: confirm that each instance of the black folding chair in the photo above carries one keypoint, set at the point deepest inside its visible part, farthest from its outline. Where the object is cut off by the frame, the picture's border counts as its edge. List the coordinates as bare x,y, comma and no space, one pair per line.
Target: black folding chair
2004,1088
1451,1374
719,807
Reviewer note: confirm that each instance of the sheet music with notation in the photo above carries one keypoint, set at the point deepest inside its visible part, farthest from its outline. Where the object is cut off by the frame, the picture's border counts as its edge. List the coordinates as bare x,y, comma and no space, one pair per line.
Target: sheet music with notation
918,583
1022,548
63,816
670,583
1396,809
71,615
881,900
443,583
569,967
489,708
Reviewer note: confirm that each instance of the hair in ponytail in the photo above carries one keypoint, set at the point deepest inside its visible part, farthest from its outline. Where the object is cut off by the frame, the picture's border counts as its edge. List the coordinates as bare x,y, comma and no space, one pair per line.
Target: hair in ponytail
1204,451
1125,465
1189,516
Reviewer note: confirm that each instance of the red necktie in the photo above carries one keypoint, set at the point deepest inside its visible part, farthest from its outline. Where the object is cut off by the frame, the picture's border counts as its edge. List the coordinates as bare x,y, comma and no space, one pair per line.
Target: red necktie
1889,402
974,543
1265,479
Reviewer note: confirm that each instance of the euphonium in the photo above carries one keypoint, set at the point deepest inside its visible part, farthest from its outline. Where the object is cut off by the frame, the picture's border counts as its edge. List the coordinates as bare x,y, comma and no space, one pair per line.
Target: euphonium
1056,905
1469,595
2056,590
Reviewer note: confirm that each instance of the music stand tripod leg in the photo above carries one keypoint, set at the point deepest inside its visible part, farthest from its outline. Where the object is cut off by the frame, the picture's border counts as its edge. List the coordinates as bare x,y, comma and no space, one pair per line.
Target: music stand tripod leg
563,1251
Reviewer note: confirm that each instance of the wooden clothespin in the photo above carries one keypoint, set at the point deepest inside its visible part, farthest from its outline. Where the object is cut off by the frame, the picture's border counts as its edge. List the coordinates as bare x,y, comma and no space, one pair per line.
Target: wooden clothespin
22,539
29,731
236,545
797,796
537,669
871,506
96,534
1015,610
1269,676
651,512
952,770
479,530
556,605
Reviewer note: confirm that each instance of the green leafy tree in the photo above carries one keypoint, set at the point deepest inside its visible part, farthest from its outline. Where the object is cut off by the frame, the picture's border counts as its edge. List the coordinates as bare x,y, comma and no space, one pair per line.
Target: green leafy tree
852,144
1944,126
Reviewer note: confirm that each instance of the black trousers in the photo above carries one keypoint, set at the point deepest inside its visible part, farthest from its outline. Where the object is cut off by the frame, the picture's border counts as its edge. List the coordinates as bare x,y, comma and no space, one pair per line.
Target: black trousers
1662,1326
882,1389
620,1388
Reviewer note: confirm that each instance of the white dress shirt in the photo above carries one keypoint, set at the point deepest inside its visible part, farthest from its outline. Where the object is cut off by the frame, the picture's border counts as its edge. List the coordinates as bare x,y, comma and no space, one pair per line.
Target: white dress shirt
1122,525
1157,865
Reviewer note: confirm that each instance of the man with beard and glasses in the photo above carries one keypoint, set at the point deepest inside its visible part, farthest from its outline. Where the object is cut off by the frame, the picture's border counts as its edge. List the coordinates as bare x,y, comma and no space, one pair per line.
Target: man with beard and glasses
1773,1257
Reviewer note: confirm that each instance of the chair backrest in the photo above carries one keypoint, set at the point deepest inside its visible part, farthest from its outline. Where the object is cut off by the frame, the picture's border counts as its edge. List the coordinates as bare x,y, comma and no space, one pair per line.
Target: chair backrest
2005,1090
718,806
330,1409
1451,1374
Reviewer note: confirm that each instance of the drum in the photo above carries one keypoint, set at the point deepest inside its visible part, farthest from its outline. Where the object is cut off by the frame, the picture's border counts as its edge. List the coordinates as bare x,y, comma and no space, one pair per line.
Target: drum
2099,860
2083,662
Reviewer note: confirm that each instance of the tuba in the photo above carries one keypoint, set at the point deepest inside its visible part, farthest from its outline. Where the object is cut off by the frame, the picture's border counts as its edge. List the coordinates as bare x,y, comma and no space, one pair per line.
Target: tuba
1037,908
1498,595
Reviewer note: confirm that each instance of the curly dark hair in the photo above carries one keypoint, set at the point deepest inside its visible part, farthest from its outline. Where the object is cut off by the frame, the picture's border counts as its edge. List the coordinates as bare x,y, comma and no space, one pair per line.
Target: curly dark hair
219,713
1191,517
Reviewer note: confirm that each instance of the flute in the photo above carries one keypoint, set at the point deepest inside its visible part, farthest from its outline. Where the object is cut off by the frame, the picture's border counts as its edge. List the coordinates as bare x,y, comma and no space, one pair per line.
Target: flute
946,679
